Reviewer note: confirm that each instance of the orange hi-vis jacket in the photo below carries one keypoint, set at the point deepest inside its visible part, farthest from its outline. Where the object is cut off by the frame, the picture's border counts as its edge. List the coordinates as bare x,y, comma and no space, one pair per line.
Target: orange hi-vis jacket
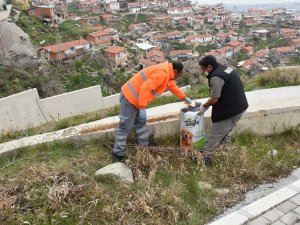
149,83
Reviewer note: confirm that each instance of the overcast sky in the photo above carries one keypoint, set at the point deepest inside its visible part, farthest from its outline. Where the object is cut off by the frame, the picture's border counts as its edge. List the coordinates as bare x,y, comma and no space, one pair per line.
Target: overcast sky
243,1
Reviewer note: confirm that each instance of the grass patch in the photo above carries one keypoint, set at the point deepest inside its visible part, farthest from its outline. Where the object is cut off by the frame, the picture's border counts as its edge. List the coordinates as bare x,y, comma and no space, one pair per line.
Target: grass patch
274,78
55,183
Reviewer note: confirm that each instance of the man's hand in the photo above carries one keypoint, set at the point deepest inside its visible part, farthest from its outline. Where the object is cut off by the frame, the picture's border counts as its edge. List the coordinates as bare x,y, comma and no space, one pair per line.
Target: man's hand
188,101
202,109
143,114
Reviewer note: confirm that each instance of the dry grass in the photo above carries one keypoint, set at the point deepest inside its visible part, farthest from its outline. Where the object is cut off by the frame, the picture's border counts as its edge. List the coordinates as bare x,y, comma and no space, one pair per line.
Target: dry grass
59,187
274,78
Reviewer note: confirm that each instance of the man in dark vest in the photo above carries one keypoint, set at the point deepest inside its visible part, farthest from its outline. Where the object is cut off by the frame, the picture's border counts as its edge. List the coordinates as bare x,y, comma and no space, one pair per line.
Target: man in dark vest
228,101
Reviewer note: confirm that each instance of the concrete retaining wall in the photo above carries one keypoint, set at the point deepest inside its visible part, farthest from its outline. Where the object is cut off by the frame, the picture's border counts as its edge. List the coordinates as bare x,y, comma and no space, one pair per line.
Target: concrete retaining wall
21,111
262,122
26,109
73,103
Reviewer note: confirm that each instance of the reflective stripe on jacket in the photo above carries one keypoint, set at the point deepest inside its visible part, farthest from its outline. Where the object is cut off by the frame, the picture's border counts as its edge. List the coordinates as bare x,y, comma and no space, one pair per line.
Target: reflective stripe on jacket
149,83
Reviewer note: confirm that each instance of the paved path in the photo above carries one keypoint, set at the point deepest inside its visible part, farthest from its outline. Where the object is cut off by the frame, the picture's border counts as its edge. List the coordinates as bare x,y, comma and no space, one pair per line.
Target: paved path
281,207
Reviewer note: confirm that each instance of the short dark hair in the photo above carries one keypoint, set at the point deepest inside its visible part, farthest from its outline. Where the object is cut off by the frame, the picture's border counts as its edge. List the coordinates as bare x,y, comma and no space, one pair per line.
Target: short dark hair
177,66
208,60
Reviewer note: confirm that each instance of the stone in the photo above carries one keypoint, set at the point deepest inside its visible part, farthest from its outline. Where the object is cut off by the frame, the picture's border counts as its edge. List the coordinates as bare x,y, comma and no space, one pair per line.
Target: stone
204,185
273,152
222,191
119,170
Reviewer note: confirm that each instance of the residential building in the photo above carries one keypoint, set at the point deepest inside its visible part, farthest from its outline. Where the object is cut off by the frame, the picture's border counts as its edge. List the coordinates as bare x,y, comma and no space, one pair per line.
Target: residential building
285,51
260,56
139,28
288,33
90,20
294,43
180,10
199,38
153,57
225,52
146,62
249,50
88,6
174,35
160,21
249,21
116,55
181,54
247,64
134,7
235,45
111,5
46,13
195,22
100,38
66,50
108,18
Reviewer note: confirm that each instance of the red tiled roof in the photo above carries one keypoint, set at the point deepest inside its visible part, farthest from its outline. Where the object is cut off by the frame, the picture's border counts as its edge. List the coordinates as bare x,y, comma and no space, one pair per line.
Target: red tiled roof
284,49
213,53
248,48
234,43
133,4
287,30
61,47
186,51
261,53
99,33
295,41
154,52
175,32
114,49
99,28
248,63
222,35
222,50
148,62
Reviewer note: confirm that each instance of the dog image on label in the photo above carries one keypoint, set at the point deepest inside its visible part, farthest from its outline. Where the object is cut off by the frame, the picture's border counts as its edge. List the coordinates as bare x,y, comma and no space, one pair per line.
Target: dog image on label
186,139
192,133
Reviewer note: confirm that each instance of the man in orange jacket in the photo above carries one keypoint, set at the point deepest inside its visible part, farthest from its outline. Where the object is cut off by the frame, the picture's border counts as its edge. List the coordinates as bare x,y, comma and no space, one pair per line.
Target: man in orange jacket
136,94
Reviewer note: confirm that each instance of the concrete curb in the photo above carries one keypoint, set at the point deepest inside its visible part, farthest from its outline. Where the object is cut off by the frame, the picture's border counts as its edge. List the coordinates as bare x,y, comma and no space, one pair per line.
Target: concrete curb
260,206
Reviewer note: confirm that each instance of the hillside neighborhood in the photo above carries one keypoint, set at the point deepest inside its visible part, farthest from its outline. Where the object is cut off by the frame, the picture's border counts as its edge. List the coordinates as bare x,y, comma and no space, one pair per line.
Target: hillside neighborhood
63,113
252,41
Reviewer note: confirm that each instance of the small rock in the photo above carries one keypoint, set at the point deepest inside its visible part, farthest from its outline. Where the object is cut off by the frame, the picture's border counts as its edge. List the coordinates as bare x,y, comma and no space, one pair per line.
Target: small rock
204,185
118,169
298,151
190,215
273,152
222,191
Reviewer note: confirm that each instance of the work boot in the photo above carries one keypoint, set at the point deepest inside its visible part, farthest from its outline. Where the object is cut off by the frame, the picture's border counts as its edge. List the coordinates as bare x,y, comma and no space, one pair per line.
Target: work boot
207,157
118,158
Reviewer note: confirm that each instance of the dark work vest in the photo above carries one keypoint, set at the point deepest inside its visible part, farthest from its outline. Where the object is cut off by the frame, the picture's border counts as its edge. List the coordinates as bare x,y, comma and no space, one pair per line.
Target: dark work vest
233,100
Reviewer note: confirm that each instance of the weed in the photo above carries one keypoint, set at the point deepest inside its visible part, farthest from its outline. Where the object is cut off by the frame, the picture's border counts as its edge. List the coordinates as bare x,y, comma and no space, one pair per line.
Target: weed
55,183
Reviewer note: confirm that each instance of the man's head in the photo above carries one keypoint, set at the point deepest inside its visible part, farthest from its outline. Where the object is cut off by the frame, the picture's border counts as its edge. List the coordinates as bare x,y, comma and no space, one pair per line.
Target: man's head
178,69
208,64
